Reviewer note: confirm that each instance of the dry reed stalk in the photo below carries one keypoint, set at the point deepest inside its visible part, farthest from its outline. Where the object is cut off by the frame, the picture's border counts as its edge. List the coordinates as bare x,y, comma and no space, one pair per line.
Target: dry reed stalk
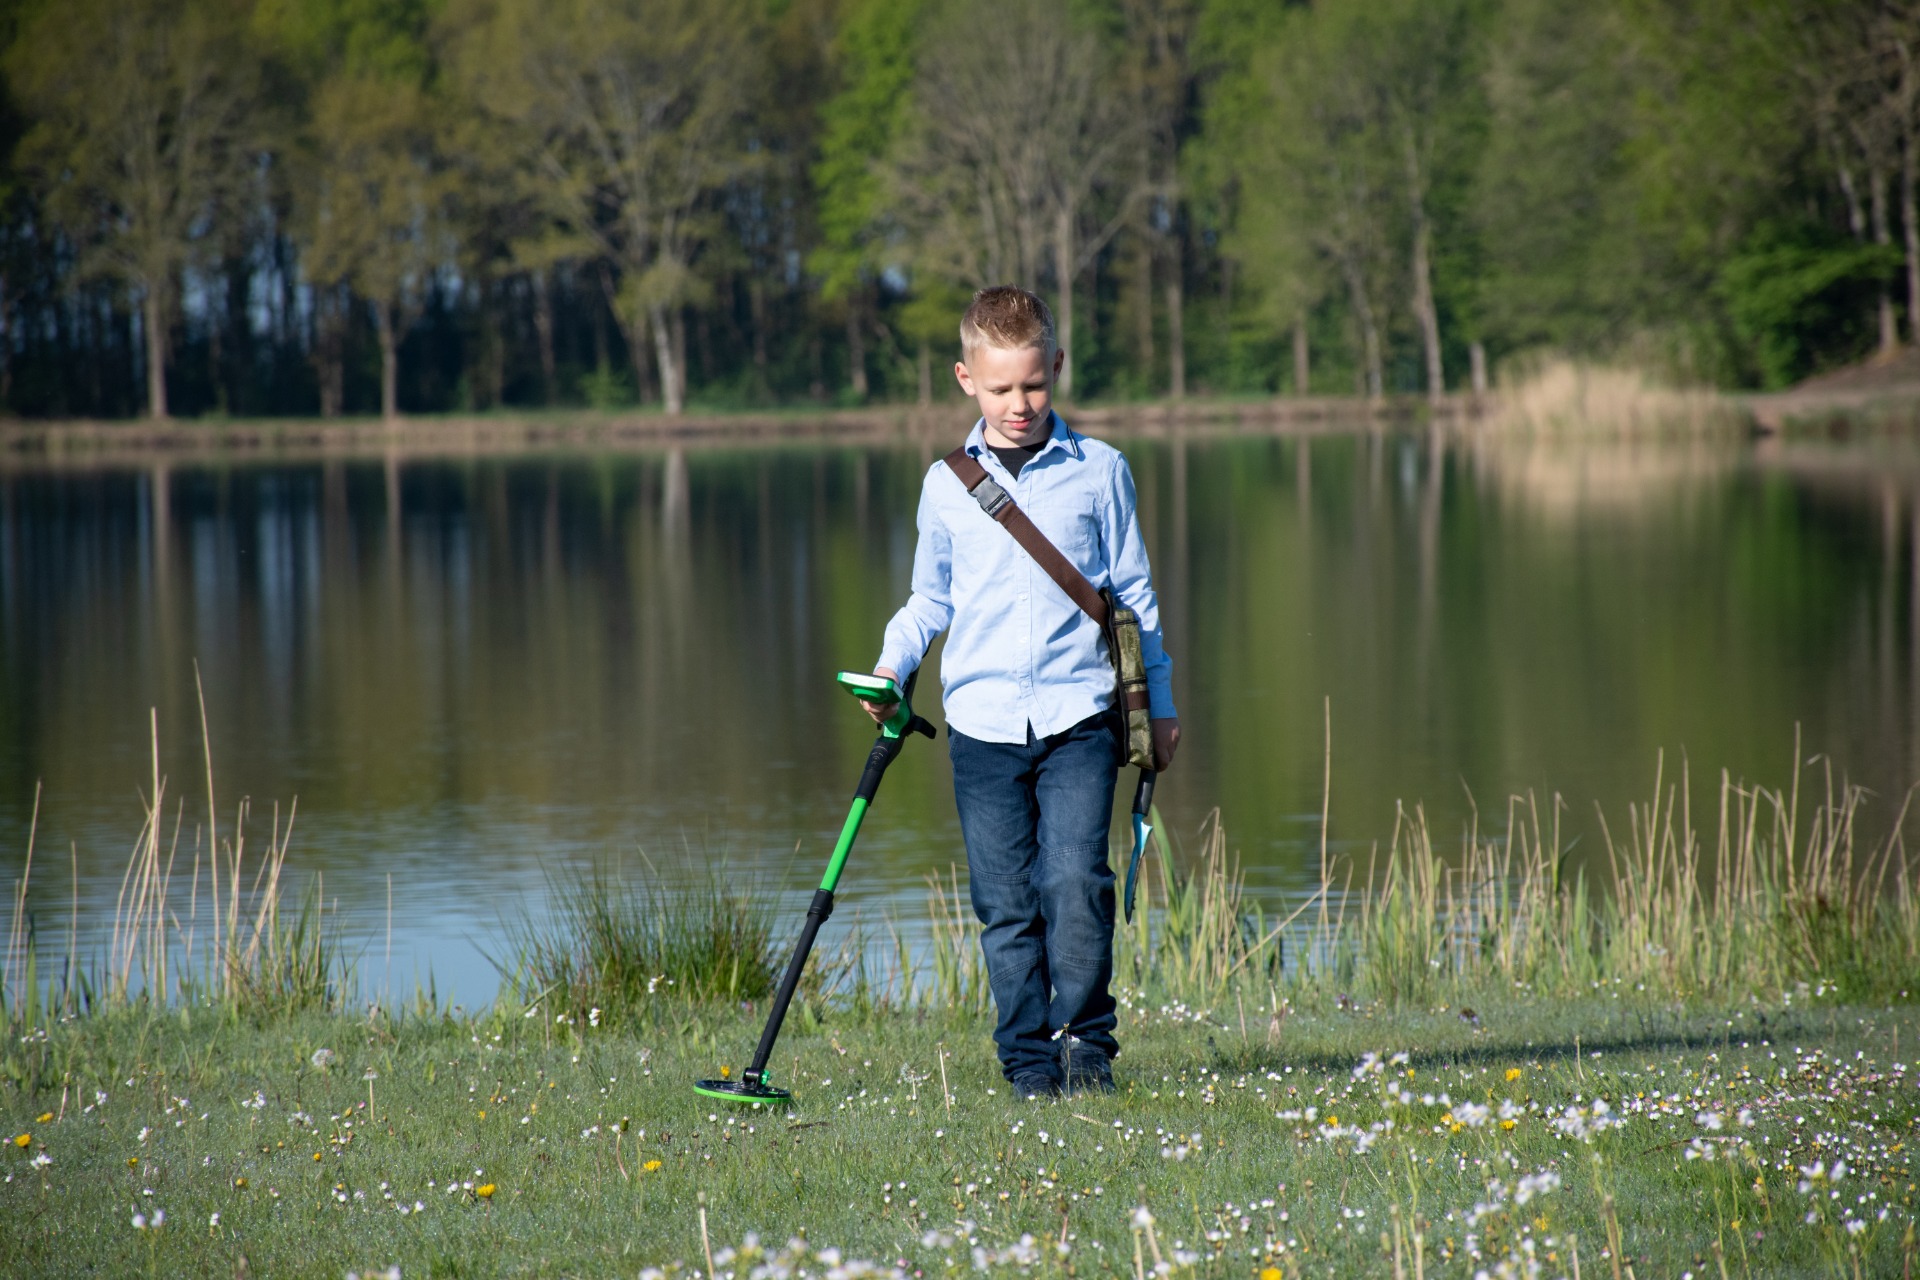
16,933
1565,396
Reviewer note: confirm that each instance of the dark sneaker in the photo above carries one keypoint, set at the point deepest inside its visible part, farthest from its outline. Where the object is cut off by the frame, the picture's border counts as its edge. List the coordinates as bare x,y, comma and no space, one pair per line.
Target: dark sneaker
1087,1070
1035,1084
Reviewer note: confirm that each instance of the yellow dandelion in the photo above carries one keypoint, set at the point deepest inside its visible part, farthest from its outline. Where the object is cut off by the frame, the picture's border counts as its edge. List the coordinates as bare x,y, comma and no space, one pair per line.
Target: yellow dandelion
1270,1273
1457,1127
133,1162
1513,1073
316,1157
45,1117
1333,1122
240,1183
1507,1125
483,1115
726,1073
23,1141
485,1190
651,1166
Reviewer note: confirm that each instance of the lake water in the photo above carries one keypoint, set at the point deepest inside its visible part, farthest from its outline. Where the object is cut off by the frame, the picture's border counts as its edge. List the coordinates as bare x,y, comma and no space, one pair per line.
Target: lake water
478,674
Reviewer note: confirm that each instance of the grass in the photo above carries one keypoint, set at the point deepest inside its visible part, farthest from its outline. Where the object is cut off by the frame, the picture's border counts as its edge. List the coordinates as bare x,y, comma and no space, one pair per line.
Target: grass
1302,1140
1437,1064
610,946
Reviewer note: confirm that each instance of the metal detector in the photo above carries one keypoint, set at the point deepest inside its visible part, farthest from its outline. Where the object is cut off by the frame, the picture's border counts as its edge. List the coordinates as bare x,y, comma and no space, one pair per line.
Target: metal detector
755,1083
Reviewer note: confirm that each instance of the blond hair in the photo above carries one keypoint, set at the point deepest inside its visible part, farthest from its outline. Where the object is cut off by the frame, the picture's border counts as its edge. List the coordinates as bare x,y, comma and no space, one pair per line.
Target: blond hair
1009,318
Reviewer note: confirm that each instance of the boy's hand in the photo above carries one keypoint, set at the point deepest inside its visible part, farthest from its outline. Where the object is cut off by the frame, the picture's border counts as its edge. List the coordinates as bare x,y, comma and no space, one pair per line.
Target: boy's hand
1166,740
883,711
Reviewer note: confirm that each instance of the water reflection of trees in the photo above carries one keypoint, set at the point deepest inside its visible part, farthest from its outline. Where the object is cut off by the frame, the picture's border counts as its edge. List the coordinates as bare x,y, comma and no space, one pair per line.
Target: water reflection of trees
519,660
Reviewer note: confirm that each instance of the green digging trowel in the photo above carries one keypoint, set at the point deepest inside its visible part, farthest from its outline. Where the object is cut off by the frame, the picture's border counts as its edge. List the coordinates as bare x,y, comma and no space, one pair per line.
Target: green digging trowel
754,1085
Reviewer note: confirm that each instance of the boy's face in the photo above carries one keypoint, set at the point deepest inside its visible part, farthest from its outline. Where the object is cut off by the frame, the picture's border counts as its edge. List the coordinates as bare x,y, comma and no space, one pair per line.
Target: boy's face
1014,389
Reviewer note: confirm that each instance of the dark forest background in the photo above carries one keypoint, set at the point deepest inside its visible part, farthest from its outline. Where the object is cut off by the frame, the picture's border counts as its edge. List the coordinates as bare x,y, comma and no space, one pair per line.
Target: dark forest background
263,207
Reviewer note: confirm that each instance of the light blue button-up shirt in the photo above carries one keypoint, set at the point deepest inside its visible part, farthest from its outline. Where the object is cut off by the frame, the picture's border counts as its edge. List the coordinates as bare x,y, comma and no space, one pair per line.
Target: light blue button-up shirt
1022,653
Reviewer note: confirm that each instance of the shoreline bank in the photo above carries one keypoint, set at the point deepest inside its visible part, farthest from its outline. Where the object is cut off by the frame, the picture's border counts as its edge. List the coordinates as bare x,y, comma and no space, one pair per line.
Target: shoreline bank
90,441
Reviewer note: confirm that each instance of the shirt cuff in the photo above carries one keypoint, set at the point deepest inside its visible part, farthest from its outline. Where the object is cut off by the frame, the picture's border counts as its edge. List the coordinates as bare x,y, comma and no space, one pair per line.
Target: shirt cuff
901,664
1160,698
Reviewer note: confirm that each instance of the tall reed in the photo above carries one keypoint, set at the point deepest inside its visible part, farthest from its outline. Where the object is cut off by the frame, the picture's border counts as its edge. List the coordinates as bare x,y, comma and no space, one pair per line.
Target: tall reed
254,958
1784,897
1784,892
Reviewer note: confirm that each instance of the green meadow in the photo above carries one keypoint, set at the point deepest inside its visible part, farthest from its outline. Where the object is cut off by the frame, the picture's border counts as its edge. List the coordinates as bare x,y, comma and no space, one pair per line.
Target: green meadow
1600,1136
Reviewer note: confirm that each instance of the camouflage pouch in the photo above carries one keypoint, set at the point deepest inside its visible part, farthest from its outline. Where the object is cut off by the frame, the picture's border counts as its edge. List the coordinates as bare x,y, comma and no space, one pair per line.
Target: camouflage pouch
1130,682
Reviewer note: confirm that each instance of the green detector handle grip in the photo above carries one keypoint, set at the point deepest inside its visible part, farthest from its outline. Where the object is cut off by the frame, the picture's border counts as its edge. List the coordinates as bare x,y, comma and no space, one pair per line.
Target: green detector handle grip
878,689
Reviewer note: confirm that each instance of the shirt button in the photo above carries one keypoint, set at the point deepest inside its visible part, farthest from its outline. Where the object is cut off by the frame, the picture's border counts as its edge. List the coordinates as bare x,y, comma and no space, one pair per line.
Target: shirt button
1023,595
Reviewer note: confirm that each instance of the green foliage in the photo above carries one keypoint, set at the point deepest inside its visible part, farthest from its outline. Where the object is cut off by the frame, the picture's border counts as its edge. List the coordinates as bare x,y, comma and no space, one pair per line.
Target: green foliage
875,49
754,188
605,389
1800,298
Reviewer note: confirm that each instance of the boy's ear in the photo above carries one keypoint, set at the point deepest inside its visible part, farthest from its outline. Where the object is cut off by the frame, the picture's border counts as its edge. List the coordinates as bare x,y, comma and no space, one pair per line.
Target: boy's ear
964,376
1059,362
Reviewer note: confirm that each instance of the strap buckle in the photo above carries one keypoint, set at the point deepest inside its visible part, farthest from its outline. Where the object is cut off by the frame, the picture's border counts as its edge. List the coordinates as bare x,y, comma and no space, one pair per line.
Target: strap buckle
991,497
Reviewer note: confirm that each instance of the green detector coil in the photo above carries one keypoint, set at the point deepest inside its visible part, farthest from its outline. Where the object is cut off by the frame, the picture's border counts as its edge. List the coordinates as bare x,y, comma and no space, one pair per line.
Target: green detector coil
757,1093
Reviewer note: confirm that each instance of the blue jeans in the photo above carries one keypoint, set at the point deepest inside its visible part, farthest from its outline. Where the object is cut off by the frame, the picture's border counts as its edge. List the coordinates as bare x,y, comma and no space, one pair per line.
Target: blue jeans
1035,816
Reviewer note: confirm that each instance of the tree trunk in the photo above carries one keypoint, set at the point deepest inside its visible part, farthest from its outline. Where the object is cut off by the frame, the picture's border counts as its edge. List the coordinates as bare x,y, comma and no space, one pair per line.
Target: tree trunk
328,367
1424,308
1176,328
1882,234
1063,251
153,320
216,361
702,343
1910,222
1143,311
677,329
1425,313
1302,368
671,396
492,356
1373,377
856,349
543,331
1477,361
926,374
384,322
637,348
757,304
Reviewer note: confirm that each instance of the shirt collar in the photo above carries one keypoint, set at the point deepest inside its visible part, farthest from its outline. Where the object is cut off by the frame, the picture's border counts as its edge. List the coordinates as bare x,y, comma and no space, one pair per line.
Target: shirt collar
1063,437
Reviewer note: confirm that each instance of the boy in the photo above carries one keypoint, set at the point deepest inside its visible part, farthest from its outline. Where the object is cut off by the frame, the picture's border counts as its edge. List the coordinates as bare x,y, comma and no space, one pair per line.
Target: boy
1029,694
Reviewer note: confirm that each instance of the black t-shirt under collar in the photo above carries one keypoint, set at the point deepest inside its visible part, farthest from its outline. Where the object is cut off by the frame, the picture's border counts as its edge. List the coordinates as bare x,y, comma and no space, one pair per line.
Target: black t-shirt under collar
1014,457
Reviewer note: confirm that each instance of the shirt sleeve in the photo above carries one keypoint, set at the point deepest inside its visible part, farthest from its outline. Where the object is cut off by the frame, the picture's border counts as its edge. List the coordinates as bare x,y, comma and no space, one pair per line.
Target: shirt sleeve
929,607
1131,578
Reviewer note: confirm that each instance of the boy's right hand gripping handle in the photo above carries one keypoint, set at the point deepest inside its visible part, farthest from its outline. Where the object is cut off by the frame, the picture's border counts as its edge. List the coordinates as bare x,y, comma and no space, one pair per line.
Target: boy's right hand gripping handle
893,736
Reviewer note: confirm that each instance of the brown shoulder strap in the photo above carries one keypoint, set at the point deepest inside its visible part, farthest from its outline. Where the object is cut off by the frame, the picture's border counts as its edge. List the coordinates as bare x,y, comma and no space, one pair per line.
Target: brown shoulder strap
999,504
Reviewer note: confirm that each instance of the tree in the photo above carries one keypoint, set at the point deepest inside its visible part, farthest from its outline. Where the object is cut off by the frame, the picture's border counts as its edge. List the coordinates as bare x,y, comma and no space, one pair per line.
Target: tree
1157,37
1017,134
1415,54
1326,167
874,50
625,115
140,139
373,208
